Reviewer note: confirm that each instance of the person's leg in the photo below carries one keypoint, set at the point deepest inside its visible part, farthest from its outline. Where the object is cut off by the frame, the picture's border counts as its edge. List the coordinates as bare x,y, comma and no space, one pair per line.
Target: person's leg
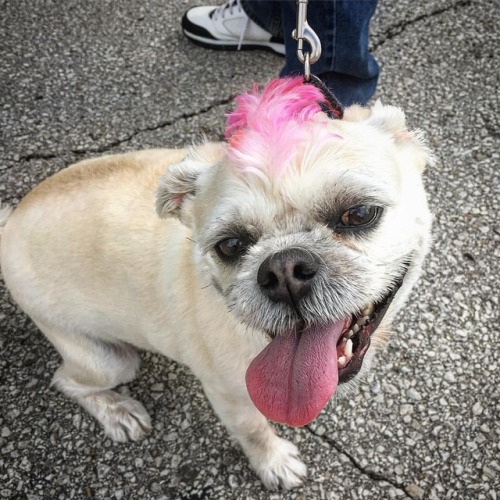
267,14
346,65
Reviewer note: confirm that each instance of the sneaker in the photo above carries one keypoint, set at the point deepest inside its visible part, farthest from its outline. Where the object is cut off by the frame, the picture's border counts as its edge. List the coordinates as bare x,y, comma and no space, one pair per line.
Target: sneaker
227,28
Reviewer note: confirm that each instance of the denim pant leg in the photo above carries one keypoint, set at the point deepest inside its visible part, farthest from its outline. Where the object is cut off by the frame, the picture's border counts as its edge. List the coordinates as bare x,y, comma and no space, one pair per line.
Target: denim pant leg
346,65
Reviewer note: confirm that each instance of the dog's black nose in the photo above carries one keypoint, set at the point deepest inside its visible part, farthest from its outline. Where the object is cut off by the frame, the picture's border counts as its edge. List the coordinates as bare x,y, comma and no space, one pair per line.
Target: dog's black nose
287,276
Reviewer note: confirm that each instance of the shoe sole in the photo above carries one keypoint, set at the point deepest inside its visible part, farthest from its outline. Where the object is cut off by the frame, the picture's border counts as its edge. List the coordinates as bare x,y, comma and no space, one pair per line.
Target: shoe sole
276,48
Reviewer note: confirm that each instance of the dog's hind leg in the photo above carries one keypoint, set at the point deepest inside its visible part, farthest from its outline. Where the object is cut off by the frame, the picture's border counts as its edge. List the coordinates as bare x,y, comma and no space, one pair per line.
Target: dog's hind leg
90,369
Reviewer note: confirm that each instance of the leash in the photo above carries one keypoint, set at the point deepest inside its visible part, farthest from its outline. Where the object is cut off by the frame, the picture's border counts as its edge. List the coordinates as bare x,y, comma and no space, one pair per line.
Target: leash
304,33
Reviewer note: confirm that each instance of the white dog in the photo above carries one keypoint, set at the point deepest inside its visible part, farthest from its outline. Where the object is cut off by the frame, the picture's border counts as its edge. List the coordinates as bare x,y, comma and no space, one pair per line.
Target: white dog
273,270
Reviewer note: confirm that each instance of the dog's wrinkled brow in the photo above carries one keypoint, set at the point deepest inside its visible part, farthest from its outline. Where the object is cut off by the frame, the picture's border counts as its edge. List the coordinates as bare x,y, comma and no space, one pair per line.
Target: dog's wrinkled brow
334,202
231,225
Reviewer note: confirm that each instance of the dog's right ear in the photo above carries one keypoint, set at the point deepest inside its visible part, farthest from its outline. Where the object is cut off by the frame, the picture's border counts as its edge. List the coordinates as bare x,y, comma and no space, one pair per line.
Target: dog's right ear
178,184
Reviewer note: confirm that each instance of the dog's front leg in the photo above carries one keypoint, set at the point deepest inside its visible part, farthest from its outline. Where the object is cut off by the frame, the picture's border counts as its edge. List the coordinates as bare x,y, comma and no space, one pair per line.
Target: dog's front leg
275,460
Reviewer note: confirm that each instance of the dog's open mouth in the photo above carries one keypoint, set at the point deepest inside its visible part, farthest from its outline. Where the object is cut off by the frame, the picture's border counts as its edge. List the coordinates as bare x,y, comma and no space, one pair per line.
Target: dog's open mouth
354,343
294,377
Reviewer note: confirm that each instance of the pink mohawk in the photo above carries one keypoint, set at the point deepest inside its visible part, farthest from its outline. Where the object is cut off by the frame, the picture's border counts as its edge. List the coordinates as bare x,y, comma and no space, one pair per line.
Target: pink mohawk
265,128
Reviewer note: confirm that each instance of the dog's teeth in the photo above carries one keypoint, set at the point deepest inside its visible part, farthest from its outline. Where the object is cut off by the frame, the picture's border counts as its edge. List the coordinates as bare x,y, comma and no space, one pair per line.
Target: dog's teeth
348,349
368,310
342,361
361,321
349,334
355,328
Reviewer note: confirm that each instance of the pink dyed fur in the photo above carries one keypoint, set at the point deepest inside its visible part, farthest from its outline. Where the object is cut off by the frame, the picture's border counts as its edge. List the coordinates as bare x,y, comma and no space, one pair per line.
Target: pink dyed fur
266,129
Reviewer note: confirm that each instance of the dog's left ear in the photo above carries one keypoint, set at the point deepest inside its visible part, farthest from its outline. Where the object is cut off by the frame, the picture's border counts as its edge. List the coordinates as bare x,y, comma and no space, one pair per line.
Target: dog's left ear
411,144
178,184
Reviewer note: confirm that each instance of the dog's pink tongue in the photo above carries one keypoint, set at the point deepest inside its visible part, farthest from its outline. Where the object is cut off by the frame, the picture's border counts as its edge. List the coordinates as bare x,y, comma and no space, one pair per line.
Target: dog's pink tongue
293,378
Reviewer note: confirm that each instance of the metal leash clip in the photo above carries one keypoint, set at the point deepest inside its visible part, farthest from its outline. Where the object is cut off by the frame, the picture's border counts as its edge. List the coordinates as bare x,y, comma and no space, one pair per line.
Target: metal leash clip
305,32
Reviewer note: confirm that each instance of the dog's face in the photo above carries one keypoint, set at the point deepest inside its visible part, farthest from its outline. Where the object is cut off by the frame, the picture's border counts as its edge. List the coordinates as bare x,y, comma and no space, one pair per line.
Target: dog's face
313,238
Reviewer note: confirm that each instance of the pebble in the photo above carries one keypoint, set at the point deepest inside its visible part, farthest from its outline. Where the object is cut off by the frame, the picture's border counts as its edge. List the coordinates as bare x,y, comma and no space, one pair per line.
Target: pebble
413,394
406,409
477,409
488,471
156,488
320,430
414,491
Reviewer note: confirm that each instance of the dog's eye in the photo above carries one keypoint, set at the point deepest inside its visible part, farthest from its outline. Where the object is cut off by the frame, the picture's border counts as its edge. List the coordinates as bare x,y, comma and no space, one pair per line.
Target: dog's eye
362,215
229,248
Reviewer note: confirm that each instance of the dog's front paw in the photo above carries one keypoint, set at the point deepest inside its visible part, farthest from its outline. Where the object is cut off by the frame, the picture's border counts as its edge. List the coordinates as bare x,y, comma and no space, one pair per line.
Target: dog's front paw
122,417
280,467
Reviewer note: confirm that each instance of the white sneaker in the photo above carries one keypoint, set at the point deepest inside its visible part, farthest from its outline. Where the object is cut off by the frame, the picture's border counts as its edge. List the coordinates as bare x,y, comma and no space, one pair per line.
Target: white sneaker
227,28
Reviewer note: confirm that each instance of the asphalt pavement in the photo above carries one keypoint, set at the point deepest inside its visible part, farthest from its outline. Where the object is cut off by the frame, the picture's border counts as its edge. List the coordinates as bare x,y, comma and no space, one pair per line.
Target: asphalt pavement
80,79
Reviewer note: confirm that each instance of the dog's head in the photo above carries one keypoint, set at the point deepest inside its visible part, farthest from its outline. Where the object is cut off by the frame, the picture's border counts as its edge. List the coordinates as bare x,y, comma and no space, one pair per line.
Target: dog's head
312,231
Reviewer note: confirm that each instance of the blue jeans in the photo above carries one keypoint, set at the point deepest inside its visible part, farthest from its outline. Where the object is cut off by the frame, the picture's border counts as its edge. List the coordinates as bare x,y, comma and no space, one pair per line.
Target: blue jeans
346,66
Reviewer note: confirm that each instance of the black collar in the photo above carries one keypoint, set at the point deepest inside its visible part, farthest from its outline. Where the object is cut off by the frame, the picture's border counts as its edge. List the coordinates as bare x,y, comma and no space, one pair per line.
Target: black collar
331,106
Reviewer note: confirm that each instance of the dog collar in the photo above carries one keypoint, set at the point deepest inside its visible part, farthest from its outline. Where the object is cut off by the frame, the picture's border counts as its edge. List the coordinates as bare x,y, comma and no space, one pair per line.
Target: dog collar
331,106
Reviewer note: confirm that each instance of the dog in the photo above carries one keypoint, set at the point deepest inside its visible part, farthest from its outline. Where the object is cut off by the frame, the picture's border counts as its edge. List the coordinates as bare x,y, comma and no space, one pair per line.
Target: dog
271,264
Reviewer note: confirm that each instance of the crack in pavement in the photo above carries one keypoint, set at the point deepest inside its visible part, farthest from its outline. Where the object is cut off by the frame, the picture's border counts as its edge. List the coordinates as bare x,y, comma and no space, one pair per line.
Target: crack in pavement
117,142
398,28
367,472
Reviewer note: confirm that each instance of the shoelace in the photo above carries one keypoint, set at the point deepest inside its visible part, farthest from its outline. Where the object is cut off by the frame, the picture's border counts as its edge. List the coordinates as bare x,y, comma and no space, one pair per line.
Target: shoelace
221,11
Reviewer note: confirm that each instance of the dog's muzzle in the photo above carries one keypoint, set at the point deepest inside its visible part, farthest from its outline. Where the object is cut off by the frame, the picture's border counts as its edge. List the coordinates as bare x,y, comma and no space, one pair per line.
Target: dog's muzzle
293,377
